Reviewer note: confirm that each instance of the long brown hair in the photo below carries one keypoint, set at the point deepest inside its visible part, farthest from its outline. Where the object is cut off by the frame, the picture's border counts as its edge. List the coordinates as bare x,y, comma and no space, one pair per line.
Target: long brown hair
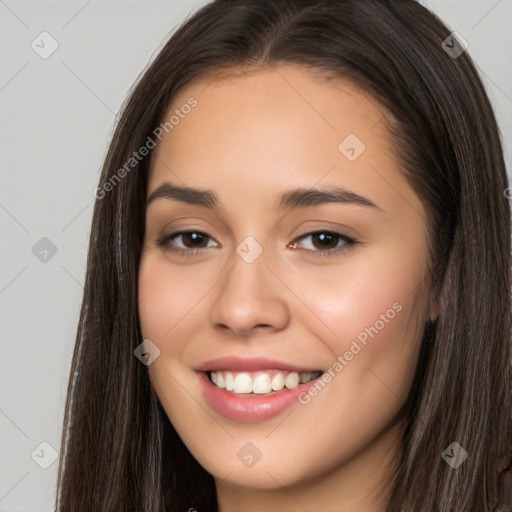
119,451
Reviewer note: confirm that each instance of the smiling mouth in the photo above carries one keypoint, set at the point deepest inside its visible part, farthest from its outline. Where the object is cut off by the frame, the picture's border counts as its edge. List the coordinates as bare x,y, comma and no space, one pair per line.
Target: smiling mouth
267,382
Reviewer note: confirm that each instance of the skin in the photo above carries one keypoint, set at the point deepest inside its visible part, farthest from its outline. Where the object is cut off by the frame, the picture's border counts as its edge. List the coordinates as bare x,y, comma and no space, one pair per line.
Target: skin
252,136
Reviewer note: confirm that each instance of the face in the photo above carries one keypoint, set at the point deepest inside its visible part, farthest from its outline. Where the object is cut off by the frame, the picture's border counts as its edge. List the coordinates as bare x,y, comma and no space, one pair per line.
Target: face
308,257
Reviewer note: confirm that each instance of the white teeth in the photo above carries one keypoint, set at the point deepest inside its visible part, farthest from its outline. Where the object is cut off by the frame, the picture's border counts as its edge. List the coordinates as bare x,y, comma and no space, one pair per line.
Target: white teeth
220,379
260,383
228,377
292,381
278,382
243,383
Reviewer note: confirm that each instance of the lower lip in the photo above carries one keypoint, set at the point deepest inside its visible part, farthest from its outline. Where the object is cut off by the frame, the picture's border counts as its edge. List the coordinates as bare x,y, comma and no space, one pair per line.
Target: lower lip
250,408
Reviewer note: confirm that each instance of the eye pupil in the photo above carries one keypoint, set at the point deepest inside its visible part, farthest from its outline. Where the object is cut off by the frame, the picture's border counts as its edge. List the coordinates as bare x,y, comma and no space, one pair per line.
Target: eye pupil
194,236
326,240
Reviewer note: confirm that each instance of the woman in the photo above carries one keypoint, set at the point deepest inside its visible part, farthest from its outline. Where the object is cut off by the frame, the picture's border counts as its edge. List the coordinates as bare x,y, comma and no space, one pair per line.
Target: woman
298,283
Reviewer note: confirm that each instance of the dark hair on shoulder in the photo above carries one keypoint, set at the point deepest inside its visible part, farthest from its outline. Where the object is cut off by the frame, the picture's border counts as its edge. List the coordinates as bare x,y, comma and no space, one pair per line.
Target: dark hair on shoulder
119,450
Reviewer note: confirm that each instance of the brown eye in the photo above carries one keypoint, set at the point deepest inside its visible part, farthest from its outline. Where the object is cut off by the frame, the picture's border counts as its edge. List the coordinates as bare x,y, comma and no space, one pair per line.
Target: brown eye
325,243
324,240
190,241
193,239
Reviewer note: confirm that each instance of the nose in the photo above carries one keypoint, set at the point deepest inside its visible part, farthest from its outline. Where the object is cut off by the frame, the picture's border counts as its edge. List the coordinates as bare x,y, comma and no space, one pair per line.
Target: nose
250,297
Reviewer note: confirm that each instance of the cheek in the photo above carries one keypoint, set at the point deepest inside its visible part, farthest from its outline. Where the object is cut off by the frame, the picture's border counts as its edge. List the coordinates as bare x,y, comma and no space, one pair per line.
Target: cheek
153,300
167,297
371,312
170,299
354,295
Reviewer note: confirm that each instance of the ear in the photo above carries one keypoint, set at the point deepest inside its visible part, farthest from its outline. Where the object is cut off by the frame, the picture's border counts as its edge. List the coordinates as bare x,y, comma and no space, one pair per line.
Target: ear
433,307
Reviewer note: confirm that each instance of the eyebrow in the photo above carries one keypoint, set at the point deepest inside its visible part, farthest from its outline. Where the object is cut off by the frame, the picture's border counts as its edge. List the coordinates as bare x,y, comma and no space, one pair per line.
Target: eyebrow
298,198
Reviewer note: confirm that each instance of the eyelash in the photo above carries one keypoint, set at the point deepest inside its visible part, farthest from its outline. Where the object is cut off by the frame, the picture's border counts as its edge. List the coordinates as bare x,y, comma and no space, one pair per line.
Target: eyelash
165,242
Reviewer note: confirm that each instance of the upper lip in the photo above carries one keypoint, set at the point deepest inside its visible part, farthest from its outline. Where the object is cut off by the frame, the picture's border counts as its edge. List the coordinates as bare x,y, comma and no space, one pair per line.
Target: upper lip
252,364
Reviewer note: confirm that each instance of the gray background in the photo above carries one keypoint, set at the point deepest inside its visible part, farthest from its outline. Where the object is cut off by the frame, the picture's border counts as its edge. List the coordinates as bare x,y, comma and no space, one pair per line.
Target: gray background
57,117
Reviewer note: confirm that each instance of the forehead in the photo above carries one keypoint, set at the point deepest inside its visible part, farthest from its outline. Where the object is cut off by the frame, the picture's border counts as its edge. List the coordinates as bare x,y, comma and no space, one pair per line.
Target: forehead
274,128
274,105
